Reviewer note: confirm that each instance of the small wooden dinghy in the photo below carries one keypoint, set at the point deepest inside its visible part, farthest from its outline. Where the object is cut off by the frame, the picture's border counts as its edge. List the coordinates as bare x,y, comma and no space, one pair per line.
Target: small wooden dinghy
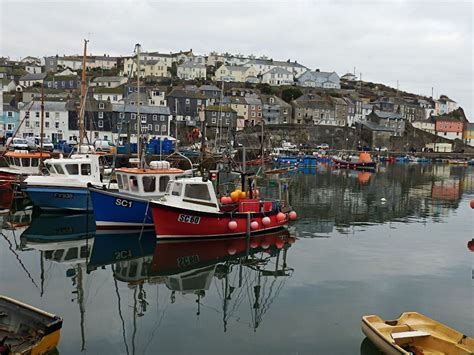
414,333
27,330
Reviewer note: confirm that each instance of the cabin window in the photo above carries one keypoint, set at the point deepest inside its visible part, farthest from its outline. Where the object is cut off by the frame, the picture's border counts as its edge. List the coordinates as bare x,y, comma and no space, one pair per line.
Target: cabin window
34,162
133,183
25,162
197,191
125,182
50,168
16,161
59,169
177,188
163,183
72,169
119,181
85,169
71,254
149,183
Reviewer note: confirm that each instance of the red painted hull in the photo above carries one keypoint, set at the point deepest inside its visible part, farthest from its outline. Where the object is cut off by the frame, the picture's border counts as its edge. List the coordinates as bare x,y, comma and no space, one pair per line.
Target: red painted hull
175,257
169,222
6,195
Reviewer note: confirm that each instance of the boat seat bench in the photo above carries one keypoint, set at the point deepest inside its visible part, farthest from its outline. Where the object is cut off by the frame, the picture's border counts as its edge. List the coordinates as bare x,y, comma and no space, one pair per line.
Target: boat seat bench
410,334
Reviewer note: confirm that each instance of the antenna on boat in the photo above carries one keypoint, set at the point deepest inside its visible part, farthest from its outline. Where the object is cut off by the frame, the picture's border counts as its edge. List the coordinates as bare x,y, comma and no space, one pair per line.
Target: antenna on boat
139,120
42,128
83,96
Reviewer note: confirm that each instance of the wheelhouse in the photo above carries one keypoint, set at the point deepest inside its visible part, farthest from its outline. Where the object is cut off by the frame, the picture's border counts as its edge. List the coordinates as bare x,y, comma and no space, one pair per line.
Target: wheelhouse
146,182
80,166
25,160
192,193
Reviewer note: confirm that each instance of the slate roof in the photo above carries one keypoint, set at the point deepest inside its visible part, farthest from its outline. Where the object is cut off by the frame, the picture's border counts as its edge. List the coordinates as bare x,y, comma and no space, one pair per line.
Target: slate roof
186,94
145,109
106,79
278,71
279,63
388,115
209,88
38,76
48,106
8,107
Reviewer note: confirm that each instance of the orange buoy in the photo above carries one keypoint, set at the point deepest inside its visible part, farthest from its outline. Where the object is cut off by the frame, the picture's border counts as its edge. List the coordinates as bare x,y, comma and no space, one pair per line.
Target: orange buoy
279,243
472,203
281,217
234,196
254,225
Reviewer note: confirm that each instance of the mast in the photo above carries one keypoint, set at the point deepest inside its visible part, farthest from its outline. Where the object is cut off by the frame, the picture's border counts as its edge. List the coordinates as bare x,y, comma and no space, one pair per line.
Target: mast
42,128
139,120
83,96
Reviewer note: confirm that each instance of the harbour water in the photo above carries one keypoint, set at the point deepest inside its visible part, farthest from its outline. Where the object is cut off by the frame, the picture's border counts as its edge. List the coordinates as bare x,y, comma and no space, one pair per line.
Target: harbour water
381,243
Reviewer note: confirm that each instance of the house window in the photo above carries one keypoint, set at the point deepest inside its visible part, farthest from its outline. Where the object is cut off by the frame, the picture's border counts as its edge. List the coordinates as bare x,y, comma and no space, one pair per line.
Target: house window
27,115
121,115
162,118
157,127
134,116
155,117
56,124
198,102
100,123
213,120
99,97
163,128
46,124
150,127
56,114
227,121
37,124
188,101
101,115
27,124
115,97
10,114
253,114
214,113
101,106
143,117
37,114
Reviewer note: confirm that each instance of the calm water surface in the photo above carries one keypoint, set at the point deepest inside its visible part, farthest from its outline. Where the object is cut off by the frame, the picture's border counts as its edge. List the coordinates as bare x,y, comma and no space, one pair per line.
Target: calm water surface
379,243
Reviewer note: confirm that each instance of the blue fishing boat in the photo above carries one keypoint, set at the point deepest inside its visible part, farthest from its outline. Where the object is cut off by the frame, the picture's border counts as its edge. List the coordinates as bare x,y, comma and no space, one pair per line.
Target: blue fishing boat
128,207
65,187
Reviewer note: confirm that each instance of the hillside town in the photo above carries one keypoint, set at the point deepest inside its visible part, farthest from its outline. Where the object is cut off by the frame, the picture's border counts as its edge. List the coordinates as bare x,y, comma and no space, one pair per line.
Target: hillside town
236,92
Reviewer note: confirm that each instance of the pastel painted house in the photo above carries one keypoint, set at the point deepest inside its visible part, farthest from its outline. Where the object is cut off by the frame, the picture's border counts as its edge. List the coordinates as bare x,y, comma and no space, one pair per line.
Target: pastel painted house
449,127
445,105
468,135
10,120
191,71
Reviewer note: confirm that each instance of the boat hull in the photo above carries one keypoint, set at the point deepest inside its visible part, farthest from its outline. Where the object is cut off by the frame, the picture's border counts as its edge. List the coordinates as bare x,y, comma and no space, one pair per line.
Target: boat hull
380,342
114,210
60,198
174,222
342,164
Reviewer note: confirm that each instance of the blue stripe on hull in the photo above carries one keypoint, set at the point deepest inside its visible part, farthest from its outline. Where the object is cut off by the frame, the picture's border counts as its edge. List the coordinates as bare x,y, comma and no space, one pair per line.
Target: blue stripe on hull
114,209
63,198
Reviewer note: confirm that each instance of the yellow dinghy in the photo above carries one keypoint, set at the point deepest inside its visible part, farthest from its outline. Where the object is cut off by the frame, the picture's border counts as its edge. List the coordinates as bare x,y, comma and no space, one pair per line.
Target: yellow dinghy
414,333
27,330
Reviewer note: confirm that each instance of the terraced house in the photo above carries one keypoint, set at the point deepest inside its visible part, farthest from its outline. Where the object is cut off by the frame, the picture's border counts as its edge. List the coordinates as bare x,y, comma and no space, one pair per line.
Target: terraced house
152,120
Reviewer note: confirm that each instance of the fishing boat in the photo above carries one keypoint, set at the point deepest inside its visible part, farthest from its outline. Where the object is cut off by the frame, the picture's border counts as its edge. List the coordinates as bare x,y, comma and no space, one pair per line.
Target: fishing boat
362,162
129,206
66,185
457,162
414,333
27,330
191,209
22,163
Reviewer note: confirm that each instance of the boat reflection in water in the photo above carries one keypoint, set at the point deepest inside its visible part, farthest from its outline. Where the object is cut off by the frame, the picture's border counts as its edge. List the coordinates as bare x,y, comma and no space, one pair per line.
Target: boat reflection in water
67,240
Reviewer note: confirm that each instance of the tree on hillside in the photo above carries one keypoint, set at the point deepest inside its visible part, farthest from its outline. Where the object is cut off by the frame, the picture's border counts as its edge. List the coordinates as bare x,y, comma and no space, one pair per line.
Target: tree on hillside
290,93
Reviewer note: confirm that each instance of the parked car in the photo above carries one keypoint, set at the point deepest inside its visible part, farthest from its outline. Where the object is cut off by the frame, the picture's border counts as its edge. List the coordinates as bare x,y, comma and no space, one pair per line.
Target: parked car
101,145
322,146
17,144
34,143
381,149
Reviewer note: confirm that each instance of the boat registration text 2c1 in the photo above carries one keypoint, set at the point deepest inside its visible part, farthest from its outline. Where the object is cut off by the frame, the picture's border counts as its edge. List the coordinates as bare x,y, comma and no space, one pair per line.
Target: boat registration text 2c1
189,219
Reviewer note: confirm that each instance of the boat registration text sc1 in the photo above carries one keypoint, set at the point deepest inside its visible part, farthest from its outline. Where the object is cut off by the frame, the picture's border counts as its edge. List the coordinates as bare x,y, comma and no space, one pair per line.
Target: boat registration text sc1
123,203
189,219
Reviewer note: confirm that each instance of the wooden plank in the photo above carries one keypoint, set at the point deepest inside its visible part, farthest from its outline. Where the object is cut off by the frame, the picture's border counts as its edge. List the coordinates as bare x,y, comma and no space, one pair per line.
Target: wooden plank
410,334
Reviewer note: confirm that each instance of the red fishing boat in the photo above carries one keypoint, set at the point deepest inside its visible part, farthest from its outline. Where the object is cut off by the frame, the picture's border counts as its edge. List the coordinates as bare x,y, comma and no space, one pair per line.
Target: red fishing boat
363,162
191,209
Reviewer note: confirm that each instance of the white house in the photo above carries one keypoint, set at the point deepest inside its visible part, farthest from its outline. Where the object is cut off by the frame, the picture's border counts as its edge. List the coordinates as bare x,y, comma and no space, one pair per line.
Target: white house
191,71
56,120
33,68
114,95
277,76
109,81
445,105
319,79
264,65
236,73
31,79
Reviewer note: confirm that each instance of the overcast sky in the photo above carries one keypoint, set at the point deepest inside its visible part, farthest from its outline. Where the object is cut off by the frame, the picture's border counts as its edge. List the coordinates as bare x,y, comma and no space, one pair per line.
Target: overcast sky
422,44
